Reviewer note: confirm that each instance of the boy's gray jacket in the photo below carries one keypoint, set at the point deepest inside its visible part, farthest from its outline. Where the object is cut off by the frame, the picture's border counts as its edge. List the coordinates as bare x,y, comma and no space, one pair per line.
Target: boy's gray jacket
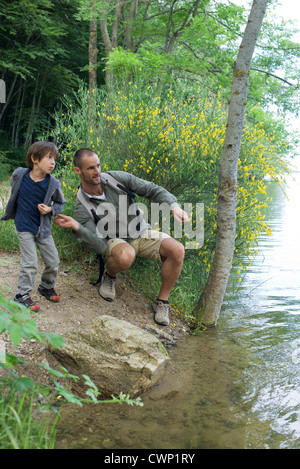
54,198
87,232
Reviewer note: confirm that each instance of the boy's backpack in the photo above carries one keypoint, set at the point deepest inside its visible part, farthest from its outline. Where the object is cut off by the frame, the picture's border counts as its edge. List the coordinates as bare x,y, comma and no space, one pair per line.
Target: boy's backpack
111,181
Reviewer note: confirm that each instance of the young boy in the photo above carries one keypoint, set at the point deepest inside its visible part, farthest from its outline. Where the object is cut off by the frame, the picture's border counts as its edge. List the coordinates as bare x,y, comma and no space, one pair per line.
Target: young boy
35,197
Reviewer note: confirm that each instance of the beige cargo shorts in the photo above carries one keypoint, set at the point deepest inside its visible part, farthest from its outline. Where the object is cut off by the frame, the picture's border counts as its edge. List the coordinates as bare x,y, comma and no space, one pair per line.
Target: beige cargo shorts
147,245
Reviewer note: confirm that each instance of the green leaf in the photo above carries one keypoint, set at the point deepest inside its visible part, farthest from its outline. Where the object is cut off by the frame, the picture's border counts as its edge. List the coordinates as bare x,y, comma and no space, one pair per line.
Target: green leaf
21,316
24,383
4,321
15,332
91,394
55,340
53,372
68,395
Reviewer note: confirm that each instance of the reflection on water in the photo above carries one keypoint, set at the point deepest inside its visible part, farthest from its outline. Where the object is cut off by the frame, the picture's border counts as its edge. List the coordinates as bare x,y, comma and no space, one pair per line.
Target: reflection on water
265,321
235,386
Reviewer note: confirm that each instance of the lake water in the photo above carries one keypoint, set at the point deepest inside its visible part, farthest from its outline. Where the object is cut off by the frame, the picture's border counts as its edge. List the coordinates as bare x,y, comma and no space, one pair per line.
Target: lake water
234,386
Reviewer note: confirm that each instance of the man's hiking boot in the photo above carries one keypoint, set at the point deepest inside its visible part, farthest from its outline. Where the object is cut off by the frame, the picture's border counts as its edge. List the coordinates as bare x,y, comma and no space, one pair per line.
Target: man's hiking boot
107,288
27,302
49,293
161,311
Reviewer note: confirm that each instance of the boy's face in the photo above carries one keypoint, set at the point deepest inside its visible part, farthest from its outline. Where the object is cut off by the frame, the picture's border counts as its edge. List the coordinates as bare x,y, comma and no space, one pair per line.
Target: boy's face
45,164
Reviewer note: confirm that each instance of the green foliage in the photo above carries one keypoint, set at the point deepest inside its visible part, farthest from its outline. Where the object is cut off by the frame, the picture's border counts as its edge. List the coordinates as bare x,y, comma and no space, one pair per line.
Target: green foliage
18,429
15,320
91,10
124,62
172,42
10,158
276,66
42,50
44,46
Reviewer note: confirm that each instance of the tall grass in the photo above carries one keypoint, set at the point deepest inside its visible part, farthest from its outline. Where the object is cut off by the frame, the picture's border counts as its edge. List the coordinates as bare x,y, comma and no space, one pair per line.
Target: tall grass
18,427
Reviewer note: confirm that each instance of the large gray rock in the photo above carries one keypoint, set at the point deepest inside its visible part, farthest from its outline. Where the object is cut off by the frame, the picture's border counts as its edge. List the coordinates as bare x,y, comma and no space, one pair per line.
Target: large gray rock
115,354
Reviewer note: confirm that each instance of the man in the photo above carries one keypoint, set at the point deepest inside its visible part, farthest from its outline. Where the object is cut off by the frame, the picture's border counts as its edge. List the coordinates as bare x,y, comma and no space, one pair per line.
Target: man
121,251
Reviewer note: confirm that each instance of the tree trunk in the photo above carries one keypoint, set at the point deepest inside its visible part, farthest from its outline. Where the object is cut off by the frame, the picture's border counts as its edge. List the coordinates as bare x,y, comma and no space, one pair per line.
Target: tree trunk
28,133
129,25
93,56
14,125
93,51
20,113
173,35
108,48
110,43
209,305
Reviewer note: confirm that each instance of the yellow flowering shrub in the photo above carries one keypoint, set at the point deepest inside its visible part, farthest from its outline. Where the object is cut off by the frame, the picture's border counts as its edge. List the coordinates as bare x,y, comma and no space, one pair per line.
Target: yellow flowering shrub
175,141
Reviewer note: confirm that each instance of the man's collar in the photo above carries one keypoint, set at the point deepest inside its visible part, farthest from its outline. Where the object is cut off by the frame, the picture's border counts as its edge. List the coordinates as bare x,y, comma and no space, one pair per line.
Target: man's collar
96,197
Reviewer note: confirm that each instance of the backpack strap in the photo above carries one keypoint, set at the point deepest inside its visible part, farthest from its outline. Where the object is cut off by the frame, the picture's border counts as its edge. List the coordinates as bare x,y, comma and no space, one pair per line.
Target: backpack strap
111,181
87,205
91,210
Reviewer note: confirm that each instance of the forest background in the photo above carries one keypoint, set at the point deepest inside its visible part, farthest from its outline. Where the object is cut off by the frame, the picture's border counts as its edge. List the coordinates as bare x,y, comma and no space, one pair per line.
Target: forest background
146,84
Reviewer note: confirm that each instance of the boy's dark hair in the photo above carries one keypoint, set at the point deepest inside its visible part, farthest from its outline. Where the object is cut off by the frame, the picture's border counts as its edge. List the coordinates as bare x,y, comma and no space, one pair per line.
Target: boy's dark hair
80,154
38,150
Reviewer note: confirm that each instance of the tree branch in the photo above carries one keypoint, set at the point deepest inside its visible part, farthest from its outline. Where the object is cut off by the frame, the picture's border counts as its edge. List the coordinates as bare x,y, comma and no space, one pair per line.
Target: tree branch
115,27
275,76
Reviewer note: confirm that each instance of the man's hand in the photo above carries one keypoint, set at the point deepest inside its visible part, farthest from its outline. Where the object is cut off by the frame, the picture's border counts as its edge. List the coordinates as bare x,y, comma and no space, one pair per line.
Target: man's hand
66,222
179,214
44,209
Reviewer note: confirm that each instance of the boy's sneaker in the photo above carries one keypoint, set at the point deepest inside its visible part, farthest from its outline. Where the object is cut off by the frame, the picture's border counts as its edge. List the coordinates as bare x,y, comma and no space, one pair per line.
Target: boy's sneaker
161,311
107,288
27,302
49,293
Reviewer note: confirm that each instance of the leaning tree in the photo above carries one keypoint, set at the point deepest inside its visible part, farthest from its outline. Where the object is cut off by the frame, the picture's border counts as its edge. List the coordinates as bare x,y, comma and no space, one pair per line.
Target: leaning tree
209,304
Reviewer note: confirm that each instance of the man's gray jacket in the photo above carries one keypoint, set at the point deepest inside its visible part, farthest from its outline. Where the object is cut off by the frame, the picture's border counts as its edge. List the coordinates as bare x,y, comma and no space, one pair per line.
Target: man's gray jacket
87,232
54,198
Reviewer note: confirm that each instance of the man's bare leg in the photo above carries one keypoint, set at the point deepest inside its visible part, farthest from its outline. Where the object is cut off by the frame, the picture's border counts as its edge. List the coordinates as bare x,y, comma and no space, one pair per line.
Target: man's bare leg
173,252
121,258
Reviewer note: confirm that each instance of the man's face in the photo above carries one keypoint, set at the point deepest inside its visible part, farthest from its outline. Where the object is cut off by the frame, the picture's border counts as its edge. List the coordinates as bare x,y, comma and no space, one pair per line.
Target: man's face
90,170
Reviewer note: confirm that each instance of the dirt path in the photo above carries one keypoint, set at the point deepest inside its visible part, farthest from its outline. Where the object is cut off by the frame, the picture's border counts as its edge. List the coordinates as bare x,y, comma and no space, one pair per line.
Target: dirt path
80,304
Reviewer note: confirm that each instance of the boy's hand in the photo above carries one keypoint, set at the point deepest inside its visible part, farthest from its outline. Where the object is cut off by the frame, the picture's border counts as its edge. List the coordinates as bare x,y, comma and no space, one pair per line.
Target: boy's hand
44,209
66,222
